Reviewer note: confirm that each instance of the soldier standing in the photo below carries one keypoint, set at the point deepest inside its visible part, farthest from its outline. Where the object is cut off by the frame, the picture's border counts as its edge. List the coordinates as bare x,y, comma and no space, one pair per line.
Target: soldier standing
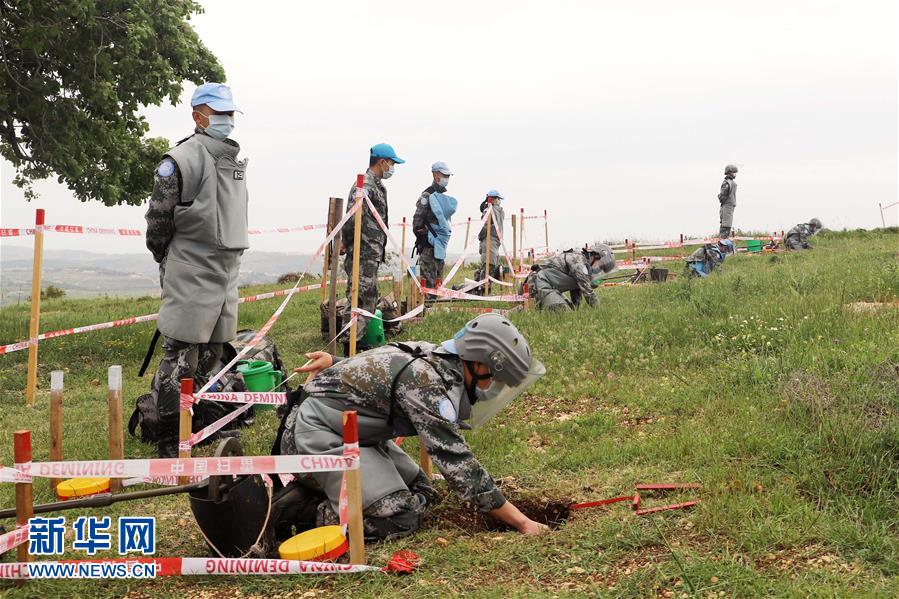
494,197
728,198
797,237
413,388
572,271
381,162
197,232
430,224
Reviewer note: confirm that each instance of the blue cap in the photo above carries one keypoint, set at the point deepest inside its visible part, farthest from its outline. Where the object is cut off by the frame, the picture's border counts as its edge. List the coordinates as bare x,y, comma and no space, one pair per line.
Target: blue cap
215,95
385,151
442,168
495,194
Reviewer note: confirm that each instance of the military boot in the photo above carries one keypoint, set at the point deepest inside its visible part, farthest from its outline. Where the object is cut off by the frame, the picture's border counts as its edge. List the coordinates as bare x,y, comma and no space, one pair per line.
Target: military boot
167,444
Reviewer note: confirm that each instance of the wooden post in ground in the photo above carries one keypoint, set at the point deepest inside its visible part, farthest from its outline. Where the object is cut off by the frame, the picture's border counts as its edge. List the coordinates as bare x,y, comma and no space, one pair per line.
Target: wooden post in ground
34,322
334,259
56,385
546,228
24,491
882,219
514,243
184,426
424,459
116,431
354,490
521,240
467,231
399,298
326,262
357,233
487,258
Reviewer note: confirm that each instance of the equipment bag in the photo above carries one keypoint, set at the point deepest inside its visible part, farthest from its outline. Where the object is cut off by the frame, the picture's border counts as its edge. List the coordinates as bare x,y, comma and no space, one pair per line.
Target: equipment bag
146,415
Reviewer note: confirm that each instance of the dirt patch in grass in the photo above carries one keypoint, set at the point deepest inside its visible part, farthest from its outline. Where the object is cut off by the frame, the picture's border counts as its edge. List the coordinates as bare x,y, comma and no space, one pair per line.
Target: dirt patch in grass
872,307
552,512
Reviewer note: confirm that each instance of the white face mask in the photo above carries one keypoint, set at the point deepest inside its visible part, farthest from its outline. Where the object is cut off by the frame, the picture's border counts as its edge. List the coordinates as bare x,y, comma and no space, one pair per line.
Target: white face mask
220,126
443,182
388,173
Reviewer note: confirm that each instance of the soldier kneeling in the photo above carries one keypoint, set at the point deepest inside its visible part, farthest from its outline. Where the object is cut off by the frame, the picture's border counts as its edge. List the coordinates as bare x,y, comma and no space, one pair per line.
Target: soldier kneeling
407,389
797,237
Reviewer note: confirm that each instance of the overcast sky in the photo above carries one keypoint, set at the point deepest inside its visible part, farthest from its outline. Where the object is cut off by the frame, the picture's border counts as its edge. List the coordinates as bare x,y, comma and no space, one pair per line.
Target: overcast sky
616,117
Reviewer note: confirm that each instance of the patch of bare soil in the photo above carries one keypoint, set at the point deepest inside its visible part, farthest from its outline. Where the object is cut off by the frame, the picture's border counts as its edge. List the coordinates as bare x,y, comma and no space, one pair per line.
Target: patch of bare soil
872,307
552,512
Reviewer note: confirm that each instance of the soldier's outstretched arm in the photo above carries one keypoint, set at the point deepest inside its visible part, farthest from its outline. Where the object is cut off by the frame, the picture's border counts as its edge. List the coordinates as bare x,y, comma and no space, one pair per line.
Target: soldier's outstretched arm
581,273
160,215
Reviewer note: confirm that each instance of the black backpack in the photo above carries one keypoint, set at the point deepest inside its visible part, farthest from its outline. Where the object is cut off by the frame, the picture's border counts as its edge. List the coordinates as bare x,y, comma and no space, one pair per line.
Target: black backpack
146,415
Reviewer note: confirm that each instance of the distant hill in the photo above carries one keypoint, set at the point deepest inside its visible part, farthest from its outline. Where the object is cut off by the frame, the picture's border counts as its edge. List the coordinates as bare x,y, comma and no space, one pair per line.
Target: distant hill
85,274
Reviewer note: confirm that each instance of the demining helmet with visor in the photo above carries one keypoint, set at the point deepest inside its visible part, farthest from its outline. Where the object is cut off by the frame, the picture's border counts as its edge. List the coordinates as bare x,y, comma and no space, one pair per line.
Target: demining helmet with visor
494,341
601,258
815,225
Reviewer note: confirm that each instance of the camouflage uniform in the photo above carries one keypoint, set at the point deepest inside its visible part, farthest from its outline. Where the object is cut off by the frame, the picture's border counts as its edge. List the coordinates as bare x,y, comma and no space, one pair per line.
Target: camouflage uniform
371,253
728,198
429,267
428,400
797,237
568,271
496,259
181,360
704,260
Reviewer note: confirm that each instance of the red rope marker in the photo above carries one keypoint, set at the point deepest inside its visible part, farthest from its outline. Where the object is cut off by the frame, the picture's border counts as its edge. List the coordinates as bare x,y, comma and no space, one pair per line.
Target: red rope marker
402,562
662,508
635,504
666,486
581,506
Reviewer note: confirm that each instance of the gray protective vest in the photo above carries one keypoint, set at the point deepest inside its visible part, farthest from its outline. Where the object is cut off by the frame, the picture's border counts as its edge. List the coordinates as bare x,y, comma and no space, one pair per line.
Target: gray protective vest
199,290
731,198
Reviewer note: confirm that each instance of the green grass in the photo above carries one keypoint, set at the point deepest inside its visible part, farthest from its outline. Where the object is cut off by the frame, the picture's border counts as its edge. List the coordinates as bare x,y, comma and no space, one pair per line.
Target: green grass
762,383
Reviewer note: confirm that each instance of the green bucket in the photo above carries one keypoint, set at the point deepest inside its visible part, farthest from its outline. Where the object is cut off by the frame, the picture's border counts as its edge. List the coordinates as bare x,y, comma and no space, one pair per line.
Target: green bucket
753,245
260,376
374,332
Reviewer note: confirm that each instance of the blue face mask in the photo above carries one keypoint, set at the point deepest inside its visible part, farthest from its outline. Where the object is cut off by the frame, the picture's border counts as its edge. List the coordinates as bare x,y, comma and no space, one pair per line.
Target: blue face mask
220,126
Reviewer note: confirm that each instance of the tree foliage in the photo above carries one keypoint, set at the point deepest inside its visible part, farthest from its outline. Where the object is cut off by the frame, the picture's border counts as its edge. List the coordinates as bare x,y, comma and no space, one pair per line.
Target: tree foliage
76,72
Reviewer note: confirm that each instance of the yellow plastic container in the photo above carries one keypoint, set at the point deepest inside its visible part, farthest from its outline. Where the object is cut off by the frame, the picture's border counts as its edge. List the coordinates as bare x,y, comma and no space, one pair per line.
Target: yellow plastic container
81,487
319,544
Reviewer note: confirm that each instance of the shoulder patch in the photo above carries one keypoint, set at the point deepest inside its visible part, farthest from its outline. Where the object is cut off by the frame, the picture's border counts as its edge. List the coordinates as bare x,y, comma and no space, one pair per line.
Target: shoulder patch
447,410
423,201
584,269
166,168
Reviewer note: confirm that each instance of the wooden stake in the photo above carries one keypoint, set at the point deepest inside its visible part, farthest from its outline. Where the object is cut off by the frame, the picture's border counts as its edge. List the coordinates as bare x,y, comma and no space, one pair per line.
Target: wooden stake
34,322
24,491
882,219
467,231
326,262
546,228
357,233
514,238
116,431
354,491
56,385
334,259
424,459
403,250
521,241
184,425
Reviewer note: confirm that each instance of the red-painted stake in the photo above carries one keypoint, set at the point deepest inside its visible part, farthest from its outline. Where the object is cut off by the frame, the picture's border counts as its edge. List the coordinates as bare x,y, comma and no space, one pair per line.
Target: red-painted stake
24,491
662,508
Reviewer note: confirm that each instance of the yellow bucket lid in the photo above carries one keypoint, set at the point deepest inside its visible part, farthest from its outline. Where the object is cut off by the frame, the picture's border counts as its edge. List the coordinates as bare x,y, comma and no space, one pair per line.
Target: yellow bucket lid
322,543
79,487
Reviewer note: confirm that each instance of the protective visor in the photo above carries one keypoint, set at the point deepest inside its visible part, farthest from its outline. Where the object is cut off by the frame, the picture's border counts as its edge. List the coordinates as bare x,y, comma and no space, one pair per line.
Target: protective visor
499,395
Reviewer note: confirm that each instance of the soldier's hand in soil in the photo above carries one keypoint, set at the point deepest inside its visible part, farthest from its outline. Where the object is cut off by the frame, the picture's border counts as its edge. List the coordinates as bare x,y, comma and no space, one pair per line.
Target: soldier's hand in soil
531,528
318,361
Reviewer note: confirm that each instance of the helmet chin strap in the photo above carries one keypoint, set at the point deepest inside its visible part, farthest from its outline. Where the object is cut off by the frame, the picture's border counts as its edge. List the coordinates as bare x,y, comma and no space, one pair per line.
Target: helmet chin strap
471,388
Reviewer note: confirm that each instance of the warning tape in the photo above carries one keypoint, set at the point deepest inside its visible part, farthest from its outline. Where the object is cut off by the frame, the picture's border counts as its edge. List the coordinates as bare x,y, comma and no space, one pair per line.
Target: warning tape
140,468
454,294
181,566
127,232
275,398
13,539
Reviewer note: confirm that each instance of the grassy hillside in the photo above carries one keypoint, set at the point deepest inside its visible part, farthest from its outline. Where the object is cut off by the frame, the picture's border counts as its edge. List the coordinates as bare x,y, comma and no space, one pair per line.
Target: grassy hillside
766,384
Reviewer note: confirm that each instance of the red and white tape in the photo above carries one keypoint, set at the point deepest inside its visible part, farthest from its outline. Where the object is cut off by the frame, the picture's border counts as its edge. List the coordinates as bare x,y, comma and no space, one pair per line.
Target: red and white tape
452,293
180,566
201,467
126,231
13,539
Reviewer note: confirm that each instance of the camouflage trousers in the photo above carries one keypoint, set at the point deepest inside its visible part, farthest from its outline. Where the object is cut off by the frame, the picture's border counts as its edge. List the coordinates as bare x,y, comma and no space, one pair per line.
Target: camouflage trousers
549,287
368,290
794,243
182,360
392,517
429,268
727,220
